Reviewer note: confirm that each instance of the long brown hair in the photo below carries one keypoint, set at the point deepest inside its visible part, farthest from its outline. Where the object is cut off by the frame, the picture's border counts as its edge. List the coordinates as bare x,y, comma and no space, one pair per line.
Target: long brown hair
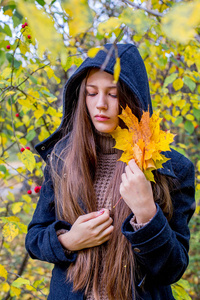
75,196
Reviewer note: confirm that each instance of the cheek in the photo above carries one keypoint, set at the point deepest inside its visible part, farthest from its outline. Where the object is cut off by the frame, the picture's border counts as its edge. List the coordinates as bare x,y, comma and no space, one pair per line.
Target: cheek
89,106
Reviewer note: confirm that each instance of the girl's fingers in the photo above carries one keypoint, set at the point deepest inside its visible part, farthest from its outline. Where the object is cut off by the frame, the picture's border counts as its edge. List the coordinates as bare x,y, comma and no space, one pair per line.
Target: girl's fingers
134,167
105,225
92,216
102,218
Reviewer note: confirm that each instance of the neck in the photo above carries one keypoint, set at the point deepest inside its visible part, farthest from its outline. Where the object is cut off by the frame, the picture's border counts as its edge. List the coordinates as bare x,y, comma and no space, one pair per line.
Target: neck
105,143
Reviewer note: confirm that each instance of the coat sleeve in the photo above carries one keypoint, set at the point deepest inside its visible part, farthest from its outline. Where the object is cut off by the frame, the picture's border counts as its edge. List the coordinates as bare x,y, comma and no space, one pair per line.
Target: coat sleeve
161,248
41,240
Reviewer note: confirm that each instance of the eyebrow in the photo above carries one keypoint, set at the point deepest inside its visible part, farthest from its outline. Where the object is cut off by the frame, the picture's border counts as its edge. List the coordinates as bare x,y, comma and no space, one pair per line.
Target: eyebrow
110,87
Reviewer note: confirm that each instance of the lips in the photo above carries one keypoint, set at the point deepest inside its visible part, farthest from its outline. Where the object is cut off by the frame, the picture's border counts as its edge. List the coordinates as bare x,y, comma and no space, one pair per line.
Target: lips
101,118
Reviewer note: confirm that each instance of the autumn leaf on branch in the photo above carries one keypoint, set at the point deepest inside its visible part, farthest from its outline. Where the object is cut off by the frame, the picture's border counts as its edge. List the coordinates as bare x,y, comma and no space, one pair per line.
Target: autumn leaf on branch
142,141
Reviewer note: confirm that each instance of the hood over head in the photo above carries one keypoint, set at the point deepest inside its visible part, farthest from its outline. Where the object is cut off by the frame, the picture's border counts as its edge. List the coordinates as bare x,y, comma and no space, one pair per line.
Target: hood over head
133,74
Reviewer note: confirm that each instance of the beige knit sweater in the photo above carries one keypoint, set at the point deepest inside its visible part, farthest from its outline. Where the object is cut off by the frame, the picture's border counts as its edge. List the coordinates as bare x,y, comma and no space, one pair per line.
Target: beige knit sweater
106,164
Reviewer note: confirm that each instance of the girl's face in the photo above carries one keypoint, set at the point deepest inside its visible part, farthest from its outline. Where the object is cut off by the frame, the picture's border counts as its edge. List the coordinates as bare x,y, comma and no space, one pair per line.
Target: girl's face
102,100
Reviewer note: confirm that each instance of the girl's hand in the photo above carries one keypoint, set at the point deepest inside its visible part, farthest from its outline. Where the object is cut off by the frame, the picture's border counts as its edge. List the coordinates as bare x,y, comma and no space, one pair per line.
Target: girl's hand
89,230
136,191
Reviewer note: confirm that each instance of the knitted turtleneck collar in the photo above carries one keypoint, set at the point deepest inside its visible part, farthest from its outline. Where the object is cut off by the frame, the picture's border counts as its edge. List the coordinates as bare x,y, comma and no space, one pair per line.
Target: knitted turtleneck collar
105,143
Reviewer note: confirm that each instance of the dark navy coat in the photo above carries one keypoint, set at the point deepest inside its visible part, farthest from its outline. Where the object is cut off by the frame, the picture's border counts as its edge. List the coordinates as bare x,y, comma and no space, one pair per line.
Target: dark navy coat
161,248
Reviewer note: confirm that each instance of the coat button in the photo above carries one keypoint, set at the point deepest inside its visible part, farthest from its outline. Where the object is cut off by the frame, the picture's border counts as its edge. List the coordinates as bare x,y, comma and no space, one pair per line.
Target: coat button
48,155
137,250
43,148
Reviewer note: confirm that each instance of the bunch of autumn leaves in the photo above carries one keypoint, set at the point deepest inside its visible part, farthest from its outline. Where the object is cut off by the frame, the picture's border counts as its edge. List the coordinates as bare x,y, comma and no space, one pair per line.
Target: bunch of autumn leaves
142,141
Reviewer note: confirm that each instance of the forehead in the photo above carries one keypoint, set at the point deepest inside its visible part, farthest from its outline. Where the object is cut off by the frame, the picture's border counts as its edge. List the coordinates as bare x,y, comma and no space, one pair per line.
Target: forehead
96,76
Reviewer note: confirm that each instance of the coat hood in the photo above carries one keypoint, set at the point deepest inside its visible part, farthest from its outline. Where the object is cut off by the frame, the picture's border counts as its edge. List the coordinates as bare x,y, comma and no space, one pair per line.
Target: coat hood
133,73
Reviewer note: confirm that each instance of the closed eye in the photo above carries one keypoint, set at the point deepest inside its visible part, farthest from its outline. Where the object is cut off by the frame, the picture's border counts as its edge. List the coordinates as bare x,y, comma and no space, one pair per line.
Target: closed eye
113,95
91,94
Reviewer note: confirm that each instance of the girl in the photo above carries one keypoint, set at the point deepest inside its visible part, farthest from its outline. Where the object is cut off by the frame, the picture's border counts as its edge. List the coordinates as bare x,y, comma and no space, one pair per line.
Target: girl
140,247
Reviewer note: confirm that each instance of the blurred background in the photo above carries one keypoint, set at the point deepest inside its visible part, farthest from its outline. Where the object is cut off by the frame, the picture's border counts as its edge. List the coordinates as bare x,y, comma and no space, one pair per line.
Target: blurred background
41,45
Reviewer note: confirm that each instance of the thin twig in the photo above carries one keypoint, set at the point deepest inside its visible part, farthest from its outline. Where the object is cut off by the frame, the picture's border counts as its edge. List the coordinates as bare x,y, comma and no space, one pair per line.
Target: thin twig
111,49
14,169
32,74
138,6
13,126
117,202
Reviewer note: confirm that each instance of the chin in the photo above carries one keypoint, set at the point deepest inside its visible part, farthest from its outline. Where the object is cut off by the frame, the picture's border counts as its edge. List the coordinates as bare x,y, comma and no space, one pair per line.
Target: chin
104,130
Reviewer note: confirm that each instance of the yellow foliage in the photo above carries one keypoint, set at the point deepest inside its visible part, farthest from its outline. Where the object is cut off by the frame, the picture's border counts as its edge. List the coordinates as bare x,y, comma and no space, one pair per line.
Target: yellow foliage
117,69
144,141
28,159
136,19
93,51
180,22
3,272
10,231
25,102
6,73
42,28
109,26
189,117
177,84
38,113
43,134
16,207
10,93
81,16
3,140
14,291
5,287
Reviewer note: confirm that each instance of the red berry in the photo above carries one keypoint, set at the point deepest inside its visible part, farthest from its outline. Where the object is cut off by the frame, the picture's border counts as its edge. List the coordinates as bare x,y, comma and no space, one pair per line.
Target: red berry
17,115
37,189
25,24
29,36
29,192
8,46
22,149
196,126
28,148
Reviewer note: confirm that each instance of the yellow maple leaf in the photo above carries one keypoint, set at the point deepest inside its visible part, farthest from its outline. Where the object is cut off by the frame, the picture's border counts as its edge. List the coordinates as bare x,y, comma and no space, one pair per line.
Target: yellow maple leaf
142,141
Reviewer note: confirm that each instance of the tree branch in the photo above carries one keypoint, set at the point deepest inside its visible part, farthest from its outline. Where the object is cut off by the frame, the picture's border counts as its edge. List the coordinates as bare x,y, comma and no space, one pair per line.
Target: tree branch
138,6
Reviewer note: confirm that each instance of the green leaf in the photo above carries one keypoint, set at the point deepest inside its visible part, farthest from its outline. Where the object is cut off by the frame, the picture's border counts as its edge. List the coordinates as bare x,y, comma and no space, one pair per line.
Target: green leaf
196,113
30,136
169,79
48,94
33,79
41,2
7,30
190,83
3,169
189,127
178,121
2,57
28,159
19,282
16,21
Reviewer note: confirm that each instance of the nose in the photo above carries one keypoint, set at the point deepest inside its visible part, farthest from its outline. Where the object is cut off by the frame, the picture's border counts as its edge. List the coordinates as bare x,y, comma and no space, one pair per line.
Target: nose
102,101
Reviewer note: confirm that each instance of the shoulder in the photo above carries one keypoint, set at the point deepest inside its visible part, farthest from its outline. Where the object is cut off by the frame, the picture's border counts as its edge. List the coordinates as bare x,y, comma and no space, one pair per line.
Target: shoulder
60,147
183,168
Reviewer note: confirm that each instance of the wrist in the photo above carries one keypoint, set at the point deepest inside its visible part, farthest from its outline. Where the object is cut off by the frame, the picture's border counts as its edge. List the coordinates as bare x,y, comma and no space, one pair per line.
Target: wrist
145,215
61,234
